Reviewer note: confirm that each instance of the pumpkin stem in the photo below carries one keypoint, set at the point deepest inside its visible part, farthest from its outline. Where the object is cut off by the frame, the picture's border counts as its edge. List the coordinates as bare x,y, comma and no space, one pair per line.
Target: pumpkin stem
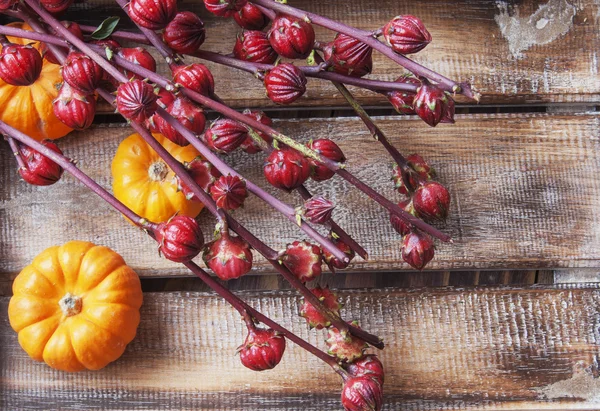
158,171
70,304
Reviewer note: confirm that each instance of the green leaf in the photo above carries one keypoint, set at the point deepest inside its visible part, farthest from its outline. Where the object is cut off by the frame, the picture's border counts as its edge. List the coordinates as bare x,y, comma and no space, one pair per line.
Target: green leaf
106,28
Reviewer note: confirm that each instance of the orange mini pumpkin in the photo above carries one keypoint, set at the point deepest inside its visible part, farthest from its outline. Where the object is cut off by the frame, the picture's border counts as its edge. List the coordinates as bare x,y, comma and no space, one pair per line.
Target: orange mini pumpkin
144,183
29,108
76,306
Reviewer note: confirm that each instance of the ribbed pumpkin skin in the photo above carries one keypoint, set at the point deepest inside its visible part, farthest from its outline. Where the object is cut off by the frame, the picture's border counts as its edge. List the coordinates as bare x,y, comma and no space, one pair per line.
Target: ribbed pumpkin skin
111,297
29,108
156,201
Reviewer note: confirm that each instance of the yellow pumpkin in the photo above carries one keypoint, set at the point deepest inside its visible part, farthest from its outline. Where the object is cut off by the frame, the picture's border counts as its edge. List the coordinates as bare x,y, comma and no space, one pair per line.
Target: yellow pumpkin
76,306
29,108
144,183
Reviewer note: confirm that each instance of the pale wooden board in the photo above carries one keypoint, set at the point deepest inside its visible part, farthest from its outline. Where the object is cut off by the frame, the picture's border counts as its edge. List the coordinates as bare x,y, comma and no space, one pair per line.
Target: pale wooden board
525,194
468,44
520,349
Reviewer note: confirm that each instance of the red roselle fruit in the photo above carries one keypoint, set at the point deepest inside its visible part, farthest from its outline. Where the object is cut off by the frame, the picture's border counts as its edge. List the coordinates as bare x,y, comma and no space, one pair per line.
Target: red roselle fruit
402,101
406,34
180,239
190,115
81,72
185,33
417,249
225,135
448,116
349,56
39,170
422,168
136,100
291,37
74,108
404,180
313,316
369,366
20,65
229,192
303,259
318,210
255,47
328,149
345,346
432,201
286,169
196,77
69,25
139,56
399,225
7,4
431,104
262,350
152,14
285,83
56,7
164,98
249,145
203,173
362,394
228,256
224,8
250,17
332,261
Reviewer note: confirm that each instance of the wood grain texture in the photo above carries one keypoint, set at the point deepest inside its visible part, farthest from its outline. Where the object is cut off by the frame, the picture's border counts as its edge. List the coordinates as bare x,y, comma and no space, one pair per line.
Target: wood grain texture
525,194
534,348
513,52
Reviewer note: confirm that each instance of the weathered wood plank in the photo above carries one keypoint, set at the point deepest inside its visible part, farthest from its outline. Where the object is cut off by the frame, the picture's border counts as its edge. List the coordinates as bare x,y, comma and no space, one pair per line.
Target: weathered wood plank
533,348
513,52
525,194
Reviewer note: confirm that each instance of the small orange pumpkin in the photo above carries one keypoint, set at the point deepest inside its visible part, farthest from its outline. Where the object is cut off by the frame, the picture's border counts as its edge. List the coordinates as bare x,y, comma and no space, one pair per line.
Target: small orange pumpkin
144,183
29,108
76,306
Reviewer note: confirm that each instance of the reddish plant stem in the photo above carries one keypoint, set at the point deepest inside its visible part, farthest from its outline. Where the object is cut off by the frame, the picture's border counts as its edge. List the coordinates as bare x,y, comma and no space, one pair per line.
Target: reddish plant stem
16,152
368,38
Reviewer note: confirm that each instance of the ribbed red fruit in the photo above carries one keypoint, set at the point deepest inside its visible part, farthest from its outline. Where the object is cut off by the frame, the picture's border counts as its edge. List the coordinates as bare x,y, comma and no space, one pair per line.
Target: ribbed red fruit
362,394
250,17
202,172
406,34
432,200
345,346
291,37
74,108
249,145
196,77
332,261
262,350
56,7
185,33
152,14
180,239
139,56
318,210
229,192
303,259
228,256
190,115
224,8
403,101
328,149
431,104
369,366
286,169
314,317
399,225
81,72
39,170
20,65
136,100
225,135
285,83
417,249
255,47
349,56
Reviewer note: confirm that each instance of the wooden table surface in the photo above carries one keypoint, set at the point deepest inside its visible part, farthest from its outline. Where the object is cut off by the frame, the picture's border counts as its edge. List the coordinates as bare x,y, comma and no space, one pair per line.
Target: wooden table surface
508,317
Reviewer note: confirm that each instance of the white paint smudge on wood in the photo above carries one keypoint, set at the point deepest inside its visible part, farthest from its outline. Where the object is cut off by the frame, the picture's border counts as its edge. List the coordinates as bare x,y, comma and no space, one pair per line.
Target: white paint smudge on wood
551,21
582,385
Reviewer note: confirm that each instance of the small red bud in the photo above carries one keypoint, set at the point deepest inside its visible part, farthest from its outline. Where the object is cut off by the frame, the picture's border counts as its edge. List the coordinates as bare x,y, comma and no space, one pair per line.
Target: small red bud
431,104
250,17
255,47
406,34
56,7
417,249
39,170
229,192
368,366
332,261
224,8
180,239
20,65
81,72
74,108
404,180
225,135
403,101
303,259
432,200
136,100
285,83
313,316
196,77
448,116
73,27
262,350
190,115
362,394
291,37
286,169
185,33
228,256
318,210
349,56
328,149
152,14
345,346
202,172
139,56
249,145
423,169
399,225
